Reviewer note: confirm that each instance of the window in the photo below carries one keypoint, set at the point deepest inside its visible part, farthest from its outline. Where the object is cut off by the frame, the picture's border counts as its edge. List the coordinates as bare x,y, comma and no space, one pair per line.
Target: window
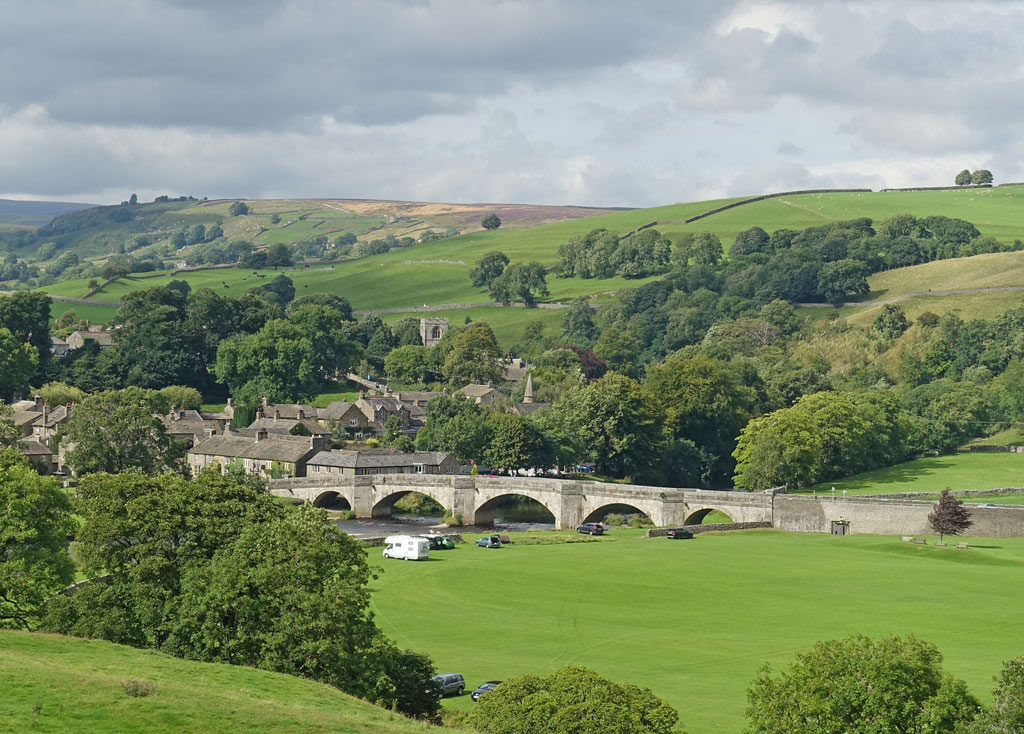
353,422
435,332
417,468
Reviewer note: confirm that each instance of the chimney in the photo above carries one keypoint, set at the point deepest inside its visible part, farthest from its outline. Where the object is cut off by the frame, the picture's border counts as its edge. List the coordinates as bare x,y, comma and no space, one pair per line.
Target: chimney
207,431
277,414
360,394
46,413
231,403
264,401
301,414
261,433
490,383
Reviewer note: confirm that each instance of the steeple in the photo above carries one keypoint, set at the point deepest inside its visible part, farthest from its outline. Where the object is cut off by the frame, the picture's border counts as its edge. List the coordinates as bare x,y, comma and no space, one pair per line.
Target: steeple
528,392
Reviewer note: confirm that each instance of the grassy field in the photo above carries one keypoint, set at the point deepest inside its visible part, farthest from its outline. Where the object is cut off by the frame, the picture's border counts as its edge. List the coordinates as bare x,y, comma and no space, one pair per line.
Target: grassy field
62,684
694,620
932,474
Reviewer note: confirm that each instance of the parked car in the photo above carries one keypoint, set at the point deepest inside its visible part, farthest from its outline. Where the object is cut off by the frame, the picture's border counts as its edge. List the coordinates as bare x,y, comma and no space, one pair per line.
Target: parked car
483,688
450,683
989,506
440,542
591,528
489,541
679,534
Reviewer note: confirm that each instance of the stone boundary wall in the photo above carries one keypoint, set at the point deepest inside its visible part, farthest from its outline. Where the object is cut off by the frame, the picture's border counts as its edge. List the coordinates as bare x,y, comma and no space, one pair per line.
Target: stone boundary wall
955,493
711,527
996,449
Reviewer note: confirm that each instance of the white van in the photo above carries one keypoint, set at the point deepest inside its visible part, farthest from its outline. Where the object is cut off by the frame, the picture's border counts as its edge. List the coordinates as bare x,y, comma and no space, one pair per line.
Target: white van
406,547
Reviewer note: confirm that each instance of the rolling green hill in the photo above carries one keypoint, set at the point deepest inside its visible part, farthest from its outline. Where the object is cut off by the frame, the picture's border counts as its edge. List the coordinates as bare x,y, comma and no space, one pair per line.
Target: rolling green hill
63,684
435,273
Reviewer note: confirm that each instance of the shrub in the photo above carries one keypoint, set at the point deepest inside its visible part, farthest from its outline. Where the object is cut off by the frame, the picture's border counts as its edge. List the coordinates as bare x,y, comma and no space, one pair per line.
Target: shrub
347,515
640,521
138,688
452,520
613,519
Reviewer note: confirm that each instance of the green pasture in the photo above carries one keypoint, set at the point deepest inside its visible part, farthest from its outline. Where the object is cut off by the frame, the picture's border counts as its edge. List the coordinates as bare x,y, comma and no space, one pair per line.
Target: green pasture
933,474
95,314
694,620
63,684
508,324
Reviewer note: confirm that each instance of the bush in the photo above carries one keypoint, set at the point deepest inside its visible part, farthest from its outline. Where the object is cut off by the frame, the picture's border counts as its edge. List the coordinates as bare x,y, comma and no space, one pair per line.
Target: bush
419,504
138,688
452,520
613,519
238,208
640,521
346,514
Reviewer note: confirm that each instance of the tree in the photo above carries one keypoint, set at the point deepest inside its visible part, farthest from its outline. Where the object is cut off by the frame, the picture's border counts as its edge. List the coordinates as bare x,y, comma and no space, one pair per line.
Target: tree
278,362
333,353
238,208
698,248
784,447
516,443
963,178
472,356
749,241
59,393
578,322
572,700
618,349
10,435
18,363
860,685
836,280
116,431
393,436
410,364
35,522
280,290
520,282
891,322
981,176
181,397
490,222
488,268
133,199
618,422
27,316
337,303
1006,715
950,516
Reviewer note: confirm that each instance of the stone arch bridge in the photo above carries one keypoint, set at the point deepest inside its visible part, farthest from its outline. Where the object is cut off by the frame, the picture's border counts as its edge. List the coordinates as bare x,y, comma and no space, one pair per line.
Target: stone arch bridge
571,502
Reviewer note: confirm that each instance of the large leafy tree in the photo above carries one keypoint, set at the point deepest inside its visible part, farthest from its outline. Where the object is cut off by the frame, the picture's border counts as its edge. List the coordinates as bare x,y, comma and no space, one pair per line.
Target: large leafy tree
455,424
278,362
520,282
706,403
333,354
152,339
619,423
27,316
515,442
572,700
1006,714
9,433
471,356
18,363
488,268
578,323
861,685
784,447
35,521
116,431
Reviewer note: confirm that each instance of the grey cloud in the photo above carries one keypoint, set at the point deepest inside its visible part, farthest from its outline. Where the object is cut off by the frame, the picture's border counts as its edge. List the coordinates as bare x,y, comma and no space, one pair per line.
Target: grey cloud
789,149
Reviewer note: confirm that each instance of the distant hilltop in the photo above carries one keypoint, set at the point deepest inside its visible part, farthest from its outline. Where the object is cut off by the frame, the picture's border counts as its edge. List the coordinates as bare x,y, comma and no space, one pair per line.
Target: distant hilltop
35,213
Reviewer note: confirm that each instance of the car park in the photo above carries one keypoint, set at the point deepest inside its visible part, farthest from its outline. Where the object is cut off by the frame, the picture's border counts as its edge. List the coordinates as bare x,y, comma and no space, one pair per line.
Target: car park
483,688
450,683
678,534
591,528
489,541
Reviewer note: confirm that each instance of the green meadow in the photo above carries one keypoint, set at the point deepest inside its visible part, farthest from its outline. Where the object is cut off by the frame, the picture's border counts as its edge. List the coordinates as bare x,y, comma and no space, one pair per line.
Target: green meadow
63,684
694,620
933,474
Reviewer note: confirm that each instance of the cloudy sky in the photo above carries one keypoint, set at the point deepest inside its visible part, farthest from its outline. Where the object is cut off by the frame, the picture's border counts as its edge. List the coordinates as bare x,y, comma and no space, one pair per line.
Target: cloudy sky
588,102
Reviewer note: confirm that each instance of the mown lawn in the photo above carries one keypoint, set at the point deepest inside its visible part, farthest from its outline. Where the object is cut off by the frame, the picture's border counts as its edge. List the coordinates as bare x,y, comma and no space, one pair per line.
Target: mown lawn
60,684
933,474
694,620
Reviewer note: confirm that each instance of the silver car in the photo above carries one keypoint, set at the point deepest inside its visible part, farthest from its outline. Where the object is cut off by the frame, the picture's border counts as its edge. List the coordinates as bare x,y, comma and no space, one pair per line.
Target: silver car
450,683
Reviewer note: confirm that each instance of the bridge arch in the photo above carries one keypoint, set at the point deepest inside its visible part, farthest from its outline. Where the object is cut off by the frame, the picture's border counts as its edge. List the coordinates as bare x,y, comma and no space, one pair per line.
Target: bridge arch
483,514
622,508
385,504
697,517
332,500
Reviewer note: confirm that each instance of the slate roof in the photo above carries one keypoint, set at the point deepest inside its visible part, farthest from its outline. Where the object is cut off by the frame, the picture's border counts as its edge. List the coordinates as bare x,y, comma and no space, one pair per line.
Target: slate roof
31,447
376,458
528,408
474,390
288,410
335,410
103,338
277,448
285,425
26,417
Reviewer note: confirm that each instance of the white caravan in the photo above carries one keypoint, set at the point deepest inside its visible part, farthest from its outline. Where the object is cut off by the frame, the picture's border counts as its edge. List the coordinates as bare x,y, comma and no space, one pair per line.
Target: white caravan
406,547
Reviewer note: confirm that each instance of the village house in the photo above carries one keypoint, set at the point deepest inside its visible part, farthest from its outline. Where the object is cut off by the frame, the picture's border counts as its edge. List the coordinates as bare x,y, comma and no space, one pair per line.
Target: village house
481,394
190,426
260,454
58,347
380,461
76,339
368,414
274,423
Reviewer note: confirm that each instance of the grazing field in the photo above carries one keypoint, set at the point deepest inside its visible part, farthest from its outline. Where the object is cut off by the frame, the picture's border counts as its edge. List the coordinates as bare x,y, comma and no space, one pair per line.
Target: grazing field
694,620
933,474
63,684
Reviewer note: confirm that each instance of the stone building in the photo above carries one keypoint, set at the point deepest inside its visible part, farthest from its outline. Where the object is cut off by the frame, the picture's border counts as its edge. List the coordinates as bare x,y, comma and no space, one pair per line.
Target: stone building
380,461
258,454
431,330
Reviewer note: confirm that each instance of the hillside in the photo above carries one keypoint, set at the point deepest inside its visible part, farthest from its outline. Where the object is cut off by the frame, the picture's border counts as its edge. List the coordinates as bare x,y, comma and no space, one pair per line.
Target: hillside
35,213
435,273
62,684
